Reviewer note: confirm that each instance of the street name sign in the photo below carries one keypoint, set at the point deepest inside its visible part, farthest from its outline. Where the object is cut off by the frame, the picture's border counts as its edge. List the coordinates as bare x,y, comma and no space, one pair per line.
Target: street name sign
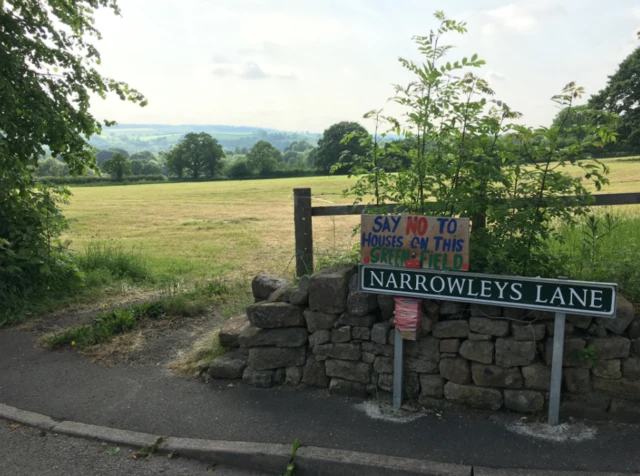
554,295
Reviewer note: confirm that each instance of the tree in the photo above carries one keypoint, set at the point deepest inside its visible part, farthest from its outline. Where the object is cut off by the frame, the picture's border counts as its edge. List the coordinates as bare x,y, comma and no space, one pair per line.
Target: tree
576,122
200,153
47,77
103,155
117,166
51,167
621,96
264,158
143,156
331,148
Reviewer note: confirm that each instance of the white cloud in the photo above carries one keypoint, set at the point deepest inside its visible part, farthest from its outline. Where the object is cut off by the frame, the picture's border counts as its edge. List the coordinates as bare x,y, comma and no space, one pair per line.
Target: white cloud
495,76
518,17
635,11
250,70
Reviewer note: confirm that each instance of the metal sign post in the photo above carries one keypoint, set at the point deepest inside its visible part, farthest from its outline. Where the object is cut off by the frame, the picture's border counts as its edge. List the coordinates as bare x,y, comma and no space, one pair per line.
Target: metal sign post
397,369
556,368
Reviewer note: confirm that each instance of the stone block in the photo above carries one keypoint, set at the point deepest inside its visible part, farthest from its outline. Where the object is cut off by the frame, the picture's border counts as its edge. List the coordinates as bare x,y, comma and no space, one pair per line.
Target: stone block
432,386
634,328
624,315
411,385
580,322
484,310
631,368
576,380
314,374
282,294
294,374
379,332
450,346
229,366
456,370
279,376
426,325
524,401
270,315
367,320
475,397
573,347
231,330
620,388
284,337
474,336
636,347
360,333
431,309
377,349
318,321
452,308
611,347
456,328
341,335
267,358
607,369
346,388
368,357
359,303
319,337
329,289
514,313
490,327
385,382
383,365
426,348
346,351
537,377
265,284
258,378
412,364
353,371
299,297
568,328
511,353
477,351
496,376
528,331
387,306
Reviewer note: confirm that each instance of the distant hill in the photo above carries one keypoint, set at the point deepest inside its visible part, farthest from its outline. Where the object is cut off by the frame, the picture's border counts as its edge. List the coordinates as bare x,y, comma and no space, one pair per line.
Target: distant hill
159,137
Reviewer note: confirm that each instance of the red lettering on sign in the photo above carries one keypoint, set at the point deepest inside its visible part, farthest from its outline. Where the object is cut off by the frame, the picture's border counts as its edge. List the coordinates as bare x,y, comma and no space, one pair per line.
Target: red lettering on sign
417,226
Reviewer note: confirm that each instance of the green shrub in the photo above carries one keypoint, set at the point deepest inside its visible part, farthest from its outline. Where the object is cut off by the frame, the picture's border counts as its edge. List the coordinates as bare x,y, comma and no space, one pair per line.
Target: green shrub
95,180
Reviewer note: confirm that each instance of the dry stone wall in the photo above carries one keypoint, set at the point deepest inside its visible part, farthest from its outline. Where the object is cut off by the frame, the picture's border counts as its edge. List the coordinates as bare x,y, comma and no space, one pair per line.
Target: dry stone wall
325,333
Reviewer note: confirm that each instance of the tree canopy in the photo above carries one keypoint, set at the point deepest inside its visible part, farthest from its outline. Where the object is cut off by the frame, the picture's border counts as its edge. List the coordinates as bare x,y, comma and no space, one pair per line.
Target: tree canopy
47,77
331,148
263,157
621,96
198,153
117,166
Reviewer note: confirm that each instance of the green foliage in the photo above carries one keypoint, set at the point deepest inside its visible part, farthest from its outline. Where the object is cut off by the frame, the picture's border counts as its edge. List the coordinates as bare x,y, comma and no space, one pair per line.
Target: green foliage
291,467
99,180
621,96
52,167
467,159
601,246
239,169
264,158
106,326
104,155
45,85
332,149
117,166
115,259
588,354
198,153
143,156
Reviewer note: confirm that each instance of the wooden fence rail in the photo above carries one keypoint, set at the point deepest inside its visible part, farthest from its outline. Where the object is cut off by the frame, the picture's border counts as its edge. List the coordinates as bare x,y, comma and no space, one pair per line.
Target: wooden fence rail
303,214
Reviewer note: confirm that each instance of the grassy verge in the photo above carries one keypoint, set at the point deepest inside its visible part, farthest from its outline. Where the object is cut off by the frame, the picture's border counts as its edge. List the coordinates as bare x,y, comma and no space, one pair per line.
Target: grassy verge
199,300
203,352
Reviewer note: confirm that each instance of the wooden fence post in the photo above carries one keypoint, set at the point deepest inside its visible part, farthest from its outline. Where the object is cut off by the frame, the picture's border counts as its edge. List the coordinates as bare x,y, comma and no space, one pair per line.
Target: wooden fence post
303,230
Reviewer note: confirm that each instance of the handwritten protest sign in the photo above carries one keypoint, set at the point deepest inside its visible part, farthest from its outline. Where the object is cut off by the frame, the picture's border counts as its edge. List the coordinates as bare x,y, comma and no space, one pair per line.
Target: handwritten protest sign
414,241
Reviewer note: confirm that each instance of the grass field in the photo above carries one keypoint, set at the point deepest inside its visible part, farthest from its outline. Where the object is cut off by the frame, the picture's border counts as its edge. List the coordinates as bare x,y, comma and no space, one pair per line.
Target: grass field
234,228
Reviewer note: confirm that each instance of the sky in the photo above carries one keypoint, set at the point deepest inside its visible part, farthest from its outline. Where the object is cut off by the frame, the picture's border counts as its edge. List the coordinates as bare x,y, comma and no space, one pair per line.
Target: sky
302,65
